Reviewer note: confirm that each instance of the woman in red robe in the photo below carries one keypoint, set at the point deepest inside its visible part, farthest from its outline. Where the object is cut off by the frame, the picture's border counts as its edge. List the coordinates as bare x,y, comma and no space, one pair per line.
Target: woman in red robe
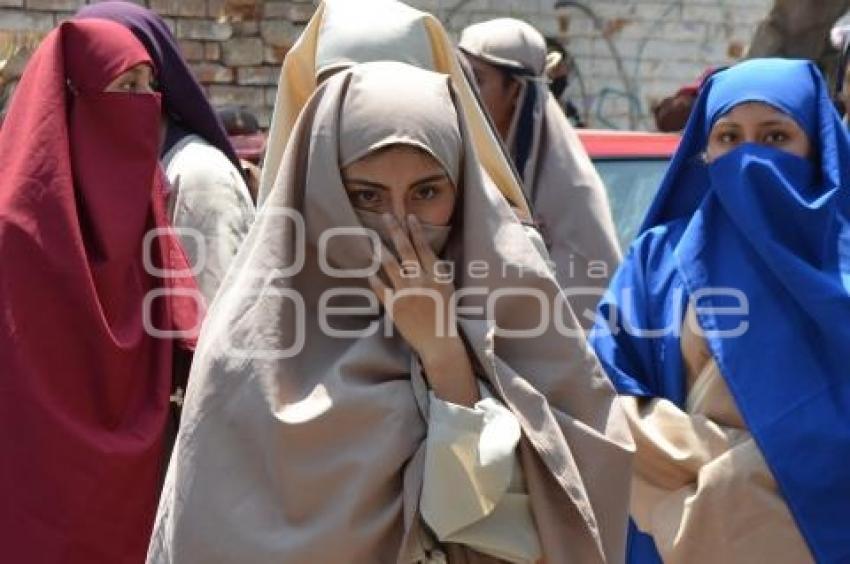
90,318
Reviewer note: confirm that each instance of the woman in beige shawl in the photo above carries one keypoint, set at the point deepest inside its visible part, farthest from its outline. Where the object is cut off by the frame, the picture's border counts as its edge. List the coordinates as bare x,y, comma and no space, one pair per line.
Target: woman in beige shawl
569,201
343,33
317,429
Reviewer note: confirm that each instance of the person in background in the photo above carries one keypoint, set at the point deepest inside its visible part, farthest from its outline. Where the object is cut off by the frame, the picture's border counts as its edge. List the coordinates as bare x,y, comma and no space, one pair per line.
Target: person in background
570,204
558,70
209,201
726,331
672,113
421,434
842,77
248,140
84,383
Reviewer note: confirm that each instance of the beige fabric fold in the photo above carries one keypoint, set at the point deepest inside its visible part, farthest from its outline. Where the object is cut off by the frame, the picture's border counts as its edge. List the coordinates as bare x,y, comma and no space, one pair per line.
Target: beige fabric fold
319,456
473,491
345,32
701,487
567,195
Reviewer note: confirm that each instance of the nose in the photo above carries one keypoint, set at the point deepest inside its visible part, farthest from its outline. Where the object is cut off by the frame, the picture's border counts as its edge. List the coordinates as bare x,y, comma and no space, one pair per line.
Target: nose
399,210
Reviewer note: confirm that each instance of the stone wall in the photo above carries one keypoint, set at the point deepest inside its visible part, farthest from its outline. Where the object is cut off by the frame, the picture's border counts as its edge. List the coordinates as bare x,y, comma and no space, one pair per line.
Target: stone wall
629,53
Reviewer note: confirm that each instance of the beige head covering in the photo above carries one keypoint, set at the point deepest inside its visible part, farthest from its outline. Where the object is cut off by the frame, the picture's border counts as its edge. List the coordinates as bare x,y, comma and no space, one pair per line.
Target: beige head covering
346,32
350,35
318,456
567,195
362,132
507,42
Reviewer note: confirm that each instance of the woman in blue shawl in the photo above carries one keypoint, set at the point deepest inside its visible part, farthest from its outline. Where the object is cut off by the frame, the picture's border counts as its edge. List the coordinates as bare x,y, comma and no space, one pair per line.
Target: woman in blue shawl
727,330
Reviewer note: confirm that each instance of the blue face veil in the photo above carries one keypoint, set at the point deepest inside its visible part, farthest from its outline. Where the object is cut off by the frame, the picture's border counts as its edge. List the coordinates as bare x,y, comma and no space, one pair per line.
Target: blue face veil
759,239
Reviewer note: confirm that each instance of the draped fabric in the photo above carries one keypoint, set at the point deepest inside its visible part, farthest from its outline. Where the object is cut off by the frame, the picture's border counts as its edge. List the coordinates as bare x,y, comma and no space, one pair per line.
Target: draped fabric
298,445
84,388
567,195
759,241
701,488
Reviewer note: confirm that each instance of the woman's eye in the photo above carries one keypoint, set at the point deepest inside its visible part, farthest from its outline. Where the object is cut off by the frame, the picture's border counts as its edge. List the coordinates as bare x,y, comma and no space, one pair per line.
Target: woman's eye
776,138
727,137
130,86
365,198
426,193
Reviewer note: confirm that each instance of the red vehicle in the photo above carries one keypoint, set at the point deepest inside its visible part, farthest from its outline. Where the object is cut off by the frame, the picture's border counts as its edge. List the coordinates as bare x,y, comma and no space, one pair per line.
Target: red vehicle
631,164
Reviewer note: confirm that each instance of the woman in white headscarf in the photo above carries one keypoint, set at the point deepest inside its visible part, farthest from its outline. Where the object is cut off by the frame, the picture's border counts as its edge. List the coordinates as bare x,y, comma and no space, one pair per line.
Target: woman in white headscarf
570,205
319,429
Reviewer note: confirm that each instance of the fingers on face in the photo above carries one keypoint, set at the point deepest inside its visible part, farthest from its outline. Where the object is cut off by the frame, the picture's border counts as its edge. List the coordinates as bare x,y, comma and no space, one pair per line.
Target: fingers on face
378,287
390,266
417,260
426,255
400,240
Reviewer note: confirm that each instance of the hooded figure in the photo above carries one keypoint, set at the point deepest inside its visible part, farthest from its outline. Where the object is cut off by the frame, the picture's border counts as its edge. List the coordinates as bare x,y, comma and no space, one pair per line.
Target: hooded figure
209,201
343,33
309,438
727,329
567,196
842,88
85,384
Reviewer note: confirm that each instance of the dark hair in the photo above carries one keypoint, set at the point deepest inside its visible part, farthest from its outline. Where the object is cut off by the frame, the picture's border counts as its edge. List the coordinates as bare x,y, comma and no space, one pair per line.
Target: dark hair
553,44
238,120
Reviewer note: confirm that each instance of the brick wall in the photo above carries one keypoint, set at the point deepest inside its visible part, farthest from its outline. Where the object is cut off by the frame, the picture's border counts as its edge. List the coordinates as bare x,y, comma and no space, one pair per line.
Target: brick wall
629,53
235,47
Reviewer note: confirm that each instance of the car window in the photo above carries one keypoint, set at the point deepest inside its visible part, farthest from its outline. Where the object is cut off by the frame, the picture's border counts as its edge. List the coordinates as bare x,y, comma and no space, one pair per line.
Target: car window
631,185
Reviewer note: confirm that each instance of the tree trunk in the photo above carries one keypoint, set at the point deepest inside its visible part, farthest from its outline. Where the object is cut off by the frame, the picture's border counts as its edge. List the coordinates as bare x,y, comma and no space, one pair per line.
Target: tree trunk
799,29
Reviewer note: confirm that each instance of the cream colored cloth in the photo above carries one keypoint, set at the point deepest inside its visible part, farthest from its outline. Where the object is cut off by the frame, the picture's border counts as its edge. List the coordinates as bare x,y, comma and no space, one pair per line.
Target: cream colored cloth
319,455
344,32
473,491
567,195
210,205
701,487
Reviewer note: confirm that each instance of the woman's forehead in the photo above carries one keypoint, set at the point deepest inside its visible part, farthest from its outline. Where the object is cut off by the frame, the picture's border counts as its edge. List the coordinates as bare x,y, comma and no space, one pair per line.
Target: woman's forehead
393,155
754,111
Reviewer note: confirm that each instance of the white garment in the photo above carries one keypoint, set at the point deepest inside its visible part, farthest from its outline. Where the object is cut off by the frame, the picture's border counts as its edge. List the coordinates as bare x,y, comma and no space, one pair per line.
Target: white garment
473,492
210,206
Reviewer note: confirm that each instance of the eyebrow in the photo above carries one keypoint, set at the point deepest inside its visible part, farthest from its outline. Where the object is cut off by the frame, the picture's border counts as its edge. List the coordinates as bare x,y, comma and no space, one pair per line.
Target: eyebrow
433,178
777,122
769,122
368,183
371,184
